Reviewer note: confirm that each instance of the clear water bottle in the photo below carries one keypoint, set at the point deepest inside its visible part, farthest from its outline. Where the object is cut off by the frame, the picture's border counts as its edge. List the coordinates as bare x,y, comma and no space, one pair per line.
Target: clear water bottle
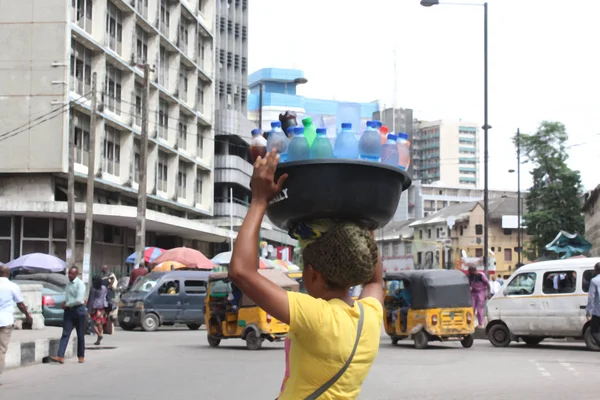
403,151
321,147
290,132
346,143
278,141
389,151
369,146
299,148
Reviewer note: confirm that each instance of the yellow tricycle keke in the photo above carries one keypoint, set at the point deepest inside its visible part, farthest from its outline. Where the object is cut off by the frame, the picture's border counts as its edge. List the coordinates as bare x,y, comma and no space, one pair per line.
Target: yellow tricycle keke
441,307
230,314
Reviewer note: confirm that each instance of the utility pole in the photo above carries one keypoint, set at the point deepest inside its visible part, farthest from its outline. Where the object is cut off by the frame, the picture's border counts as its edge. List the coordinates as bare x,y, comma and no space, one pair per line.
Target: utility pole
89,201
71,195
140,226
519,210
260,104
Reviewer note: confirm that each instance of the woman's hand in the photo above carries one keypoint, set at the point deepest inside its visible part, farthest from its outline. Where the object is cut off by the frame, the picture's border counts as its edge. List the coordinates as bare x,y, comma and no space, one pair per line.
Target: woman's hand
263,185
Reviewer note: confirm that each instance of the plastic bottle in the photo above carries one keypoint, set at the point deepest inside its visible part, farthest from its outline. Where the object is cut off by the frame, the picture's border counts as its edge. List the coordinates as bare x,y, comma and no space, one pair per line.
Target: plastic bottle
278,141
258,145
310,131
383,134
369,146
299,148
346,143
290,132
403,151
389,151
321,147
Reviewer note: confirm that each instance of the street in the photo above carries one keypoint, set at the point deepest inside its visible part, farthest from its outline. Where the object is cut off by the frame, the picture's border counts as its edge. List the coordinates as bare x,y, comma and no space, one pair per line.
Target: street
178,362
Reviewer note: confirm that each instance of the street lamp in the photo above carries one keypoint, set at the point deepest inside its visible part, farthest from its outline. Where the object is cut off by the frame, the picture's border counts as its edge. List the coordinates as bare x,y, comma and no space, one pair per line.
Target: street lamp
519,211
486,126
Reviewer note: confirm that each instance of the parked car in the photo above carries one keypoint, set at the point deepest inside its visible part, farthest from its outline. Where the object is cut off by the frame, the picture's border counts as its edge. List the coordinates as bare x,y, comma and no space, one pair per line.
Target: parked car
52,298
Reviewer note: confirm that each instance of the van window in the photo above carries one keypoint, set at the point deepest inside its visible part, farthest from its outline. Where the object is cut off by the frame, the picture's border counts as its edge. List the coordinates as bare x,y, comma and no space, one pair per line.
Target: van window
559,282
169,288
588,275
522,285
195,287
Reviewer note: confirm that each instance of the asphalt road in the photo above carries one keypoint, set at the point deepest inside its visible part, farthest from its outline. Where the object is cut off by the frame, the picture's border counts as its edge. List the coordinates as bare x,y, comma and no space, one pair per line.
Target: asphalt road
178,362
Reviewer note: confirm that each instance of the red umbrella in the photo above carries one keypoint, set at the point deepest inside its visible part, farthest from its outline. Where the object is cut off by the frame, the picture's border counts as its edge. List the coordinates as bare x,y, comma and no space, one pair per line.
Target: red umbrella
184,255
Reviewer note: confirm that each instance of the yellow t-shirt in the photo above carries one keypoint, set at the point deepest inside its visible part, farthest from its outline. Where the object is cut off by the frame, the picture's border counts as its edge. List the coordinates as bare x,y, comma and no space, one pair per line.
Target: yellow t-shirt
321,338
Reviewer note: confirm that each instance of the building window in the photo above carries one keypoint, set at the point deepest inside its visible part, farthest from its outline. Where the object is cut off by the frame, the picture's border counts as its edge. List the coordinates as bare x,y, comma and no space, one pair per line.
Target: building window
136,161
183,85
81,69
112,151
420,234
82,137
165,16
163,171
200,97
183,35
138,91
182,181
428,233
114,28
201,50
141,46
163,119
113,89
199,144
163,67
478,229
507,255
198,188
478,252
142,7
507,231
461,231
82,14
182,138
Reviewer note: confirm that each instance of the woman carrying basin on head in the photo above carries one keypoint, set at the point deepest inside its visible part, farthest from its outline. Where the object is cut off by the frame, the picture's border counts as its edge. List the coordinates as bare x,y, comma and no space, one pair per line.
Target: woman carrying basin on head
333,339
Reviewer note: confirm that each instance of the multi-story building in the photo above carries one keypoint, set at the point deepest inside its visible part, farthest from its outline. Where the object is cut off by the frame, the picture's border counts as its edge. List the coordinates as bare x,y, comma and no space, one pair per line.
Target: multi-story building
51,50
233,168
446,151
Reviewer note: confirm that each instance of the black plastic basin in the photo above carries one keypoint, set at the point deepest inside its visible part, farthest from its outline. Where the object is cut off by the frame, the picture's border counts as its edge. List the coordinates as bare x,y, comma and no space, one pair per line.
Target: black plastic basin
364,192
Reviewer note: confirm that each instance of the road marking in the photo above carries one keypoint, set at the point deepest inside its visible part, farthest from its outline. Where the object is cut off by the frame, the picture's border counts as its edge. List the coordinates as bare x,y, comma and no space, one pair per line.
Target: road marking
541,370
569,368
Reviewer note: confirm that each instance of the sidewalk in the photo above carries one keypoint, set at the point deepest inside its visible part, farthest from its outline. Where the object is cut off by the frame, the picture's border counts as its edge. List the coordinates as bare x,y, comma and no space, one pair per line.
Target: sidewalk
29,347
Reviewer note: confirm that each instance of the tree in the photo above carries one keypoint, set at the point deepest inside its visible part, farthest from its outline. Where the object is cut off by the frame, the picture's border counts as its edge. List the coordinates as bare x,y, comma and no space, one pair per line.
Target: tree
554,200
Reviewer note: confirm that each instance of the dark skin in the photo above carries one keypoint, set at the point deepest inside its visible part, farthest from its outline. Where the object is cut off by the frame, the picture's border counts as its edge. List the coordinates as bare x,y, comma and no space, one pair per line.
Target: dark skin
267,295
5,273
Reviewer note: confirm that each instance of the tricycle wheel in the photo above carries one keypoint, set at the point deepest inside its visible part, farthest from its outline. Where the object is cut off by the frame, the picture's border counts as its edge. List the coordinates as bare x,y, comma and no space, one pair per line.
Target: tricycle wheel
395,341
253,341
467,341
421,340
213,341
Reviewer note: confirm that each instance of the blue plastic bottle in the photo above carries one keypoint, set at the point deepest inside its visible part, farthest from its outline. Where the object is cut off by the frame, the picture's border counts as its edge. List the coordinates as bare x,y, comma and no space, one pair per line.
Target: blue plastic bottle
321,147
369,146
299,148
389,151
346,143
278,141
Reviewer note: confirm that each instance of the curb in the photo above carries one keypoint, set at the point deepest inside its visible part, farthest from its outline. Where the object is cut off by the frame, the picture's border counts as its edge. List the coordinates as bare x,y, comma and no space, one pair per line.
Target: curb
22,354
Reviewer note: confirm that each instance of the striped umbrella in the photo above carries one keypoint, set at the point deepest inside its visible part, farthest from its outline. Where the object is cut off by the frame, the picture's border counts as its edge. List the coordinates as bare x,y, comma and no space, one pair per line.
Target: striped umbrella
150,253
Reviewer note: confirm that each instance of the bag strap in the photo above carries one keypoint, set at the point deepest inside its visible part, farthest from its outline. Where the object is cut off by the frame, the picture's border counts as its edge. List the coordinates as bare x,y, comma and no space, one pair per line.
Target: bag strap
315,395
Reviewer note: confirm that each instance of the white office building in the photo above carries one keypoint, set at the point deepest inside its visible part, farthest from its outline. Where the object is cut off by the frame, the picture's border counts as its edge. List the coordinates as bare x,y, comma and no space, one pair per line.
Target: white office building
50,50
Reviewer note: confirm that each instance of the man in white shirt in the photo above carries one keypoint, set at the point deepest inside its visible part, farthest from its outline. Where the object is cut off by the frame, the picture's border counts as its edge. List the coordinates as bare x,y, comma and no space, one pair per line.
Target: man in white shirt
9,295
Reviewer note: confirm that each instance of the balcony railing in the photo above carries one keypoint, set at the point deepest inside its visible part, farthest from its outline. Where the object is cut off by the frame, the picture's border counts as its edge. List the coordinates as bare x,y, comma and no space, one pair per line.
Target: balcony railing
224,208
233,162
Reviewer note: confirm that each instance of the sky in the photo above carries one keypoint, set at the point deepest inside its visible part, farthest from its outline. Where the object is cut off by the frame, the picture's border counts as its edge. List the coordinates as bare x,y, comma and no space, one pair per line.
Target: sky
544,64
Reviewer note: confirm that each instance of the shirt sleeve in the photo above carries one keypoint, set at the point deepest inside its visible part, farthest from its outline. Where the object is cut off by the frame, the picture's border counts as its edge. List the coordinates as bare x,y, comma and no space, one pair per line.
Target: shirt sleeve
17,294
591,297
307,314
81,293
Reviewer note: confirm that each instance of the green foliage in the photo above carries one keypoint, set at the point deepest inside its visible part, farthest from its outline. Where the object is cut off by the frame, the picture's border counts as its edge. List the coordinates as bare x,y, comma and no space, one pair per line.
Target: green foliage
553,202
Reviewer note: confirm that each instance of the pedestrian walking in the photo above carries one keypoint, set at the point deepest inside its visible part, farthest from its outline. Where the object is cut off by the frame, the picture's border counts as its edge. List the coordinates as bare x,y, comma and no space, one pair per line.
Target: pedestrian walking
333,339
480,288
10,294
97,304
74,318
592,309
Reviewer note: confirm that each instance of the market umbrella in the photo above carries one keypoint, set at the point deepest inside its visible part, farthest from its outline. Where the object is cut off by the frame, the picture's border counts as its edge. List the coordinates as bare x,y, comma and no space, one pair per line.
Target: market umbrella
222,258
168,266
190,257
224,266
37,262
285,266
150,253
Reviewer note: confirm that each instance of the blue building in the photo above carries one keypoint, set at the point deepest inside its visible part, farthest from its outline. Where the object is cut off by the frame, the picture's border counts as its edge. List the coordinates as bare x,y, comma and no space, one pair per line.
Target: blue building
279,95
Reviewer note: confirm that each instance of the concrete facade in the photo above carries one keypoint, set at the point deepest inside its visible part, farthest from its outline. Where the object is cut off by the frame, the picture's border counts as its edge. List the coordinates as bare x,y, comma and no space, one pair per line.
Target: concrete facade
591,209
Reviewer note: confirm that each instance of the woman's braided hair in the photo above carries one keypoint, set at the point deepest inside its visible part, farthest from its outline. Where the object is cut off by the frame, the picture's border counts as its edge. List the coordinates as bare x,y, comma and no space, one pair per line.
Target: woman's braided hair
346,255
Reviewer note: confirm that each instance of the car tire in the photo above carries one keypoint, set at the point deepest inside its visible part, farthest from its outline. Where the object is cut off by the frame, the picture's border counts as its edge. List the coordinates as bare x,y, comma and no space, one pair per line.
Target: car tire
589,339
499,335
253,341
126,327
421,340
194,327
532,340
213,341
467,341
150,322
